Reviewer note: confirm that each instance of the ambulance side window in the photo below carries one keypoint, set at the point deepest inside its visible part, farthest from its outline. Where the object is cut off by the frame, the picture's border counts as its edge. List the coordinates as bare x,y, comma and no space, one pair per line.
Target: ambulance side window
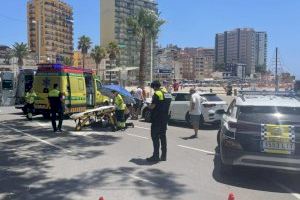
99,85
80,85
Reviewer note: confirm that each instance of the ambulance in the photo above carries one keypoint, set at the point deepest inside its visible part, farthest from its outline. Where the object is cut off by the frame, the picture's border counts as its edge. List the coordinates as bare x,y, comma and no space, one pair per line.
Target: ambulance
80,86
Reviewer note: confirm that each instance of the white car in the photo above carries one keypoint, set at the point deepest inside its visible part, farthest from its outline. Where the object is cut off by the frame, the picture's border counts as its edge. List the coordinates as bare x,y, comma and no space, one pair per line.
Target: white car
213,107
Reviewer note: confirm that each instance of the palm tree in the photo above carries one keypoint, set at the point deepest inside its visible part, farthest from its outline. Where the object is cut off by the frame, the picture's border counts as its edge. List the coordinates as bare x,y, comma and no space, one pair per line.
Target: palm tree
20,50
98,53
144,25
84,44
112,50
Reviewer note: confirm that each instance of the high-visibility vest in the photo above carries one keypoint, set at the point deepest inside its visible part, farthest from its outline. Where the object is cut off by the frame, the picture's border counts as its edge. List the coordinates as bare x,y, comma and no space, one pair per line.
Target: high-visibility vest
120,102
30,97
54,93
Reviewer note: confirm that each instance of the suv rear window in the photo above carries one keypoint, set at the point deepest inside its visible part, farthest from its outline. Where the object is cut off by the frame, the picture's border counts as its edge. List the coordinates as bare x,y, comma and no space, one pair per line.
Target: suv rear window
211,97
269,114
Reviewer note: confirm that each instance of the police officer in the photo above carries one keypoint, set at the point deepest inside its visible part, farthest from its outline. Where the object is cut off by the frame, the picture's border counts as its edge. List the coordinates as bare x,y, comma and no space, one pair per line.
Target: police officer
120,110
30,98
56,104
159,119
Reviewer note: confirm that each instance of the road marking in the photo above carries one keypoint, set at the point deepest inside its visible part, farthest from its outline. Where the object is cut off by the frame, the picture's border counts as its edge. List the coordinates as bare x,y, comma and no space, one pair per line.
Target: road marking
142,127
296,195
141,179
42,124
133,135
201,150
37,138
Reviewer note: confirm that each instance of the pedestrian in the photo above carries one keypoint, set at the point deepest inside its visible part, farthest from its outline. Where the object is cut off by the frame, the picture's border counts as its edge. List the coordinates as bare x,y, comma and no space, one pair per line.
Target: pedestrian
29,99
140,97
159,120
56,101
195,111
175,85
120,110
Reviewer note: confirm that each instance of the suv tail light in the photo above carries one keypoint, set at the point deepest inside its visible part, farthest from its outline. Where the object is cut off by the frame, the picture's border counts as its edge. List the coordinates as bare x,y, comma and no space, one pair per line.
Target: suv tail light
209,105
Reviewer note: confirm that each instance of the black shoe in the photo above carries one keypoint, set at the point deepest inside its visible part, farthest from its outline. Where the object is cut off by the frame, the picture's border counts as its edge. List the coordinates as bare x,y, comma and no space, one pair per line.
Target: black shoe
59,130
153,159
163,158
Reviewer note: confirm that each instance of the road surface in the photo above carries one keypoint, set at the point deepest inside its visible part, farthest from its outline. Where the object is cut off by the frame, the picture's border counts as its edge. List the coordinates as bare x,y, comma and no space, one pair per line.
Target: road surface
37,164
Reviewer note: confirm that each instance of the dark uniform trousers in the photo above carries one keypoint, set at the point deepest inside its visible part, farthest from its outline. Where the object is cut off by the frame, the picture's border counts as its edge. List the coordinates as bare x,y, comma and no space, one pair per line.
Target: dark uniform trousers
53,118
158,135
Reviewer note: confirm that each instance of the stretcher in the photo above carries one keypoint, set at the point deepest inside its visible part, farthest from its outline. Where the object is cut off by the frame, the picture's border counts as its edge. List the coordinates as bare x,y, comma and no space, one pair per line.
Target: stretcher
104,115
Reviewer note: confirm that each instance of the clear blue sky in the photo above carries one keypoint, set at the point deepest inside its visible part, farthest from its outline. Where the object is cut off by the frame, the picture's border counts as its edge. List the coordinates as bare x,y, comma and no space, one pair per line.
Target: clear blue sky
190,23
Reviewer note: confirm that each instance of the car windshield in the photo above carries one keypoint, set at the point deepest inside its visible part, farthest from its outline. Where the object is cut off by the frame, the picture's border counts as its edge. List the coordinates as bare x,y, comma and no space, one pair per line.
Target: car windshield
269,114
211,97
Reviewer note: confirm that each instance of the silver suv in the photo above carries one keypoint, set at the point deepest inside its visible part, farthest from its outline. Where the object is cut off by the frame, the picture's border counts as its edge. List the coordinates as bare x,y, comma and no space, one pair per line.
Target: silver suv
261,130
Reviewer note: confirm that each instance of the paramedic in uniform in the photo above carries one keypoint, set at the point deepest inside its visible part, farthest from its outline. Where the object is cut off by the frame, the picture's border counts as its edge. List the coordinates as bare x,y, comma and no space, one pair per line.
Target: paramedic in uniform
120,110
30,98
56,99
159,119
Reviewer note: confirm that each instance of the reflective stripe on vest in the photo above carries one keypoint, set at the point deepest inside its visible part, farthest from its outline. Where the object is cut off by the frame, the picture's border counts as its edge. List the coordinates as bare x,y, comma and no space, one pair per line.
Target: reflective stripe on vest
54,93
160,95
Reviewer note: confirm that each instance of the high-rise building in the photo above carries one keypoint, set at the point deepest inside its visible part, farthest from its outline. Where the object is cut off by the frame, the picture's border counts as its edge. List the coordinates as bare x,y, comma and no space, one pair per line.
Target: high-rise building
244,46
261,50
114,28
50,29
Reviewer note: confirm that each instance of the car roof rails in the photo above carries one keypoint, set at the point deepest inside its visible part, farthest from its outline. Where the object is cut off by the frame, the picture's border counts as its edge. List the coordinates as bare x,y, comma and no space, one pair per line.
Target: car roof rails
289,93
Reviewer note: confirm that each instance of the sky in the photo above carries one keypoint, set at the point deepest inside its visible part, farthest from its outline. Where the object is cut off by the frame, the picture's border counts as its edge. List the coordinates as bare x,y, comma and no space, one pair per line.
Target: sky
189,23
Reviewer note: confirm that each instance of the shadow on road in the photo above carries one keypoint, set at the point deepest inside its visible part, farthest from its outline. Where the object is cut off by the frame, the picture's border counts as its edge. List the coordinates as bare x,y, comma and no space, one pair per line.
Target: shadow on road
142,162
25,164
205,126
257,179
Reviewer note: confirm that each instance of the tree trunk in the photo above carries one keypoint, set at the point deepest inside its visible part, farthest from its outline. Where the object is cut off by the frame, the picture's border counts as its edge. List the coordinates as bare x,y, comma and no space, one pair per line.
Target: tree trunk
83,59
97,68
142,62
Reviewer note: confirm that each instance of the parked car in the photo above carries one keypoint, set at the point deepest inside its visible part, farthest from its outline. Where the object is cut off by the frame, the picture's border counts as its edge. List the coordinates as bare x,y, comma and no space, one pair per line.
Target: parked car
261,131
212,107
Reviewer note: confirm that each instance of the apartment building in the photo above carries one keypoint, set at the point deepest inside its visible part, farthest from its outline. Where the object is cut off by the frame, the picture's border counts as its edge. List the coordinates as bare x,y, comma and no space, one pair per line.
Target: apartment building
113,17
50,29
245,46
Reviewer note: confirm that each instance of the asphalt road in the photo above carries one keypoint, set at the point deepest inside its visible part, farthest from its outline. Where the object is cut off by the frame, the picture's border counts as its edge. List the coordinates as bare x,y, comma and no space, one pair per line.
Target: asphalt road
36,164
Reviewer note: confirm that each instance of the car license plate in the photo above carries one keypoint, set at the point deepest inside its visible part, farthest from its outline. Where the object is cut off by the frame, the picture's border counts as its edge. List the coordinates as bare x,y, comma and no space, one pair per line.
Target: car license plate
278,146
278,139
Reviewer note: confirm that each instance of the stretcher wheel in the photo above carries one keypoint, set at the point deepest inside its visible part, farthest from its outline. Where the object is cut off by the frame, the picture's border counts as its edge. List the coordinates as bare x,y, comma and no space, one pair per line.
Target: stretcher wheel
78,127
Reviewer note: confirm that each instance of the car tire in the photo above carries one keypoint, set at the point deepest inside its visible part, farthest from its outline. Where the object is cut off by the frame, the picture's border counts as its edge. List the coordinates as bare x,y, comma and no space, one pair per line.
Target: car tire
147,115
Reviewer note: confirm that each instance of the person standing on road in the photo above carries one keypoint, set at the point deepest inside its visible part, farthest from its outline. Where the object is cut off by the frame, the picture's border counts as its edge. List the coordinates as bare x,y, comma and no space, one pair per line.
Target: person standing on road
175,85
29,99
159,120
139,94
120,110
56,99
195,111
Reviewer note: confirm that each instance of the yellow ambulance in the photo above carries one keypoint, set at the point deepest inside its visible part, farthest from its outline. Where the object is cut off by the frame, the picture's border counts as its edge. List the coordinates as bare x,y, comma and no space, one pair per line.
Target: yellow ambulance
81,88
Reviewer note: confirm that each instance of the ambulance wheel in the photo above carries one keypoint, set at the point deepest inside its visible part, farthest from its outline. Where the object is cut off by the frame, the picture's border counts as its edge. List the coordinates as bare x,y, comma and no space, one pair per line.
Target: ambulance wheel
46,115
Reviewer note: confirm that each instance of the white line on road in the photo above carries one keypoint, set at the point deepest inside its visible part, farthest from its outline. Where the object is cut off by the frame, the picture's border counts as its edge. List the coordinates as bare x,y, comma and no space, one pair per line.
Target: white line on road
37,138
42,124
141,179
142,127
201,150
296,195
133,135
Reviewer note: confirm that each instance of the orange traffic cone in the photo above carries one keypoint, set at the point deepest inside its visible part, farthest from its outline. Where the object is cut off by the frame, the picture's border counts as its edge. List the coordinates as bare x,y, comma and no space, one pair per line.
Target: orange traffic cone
230,197
101,198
